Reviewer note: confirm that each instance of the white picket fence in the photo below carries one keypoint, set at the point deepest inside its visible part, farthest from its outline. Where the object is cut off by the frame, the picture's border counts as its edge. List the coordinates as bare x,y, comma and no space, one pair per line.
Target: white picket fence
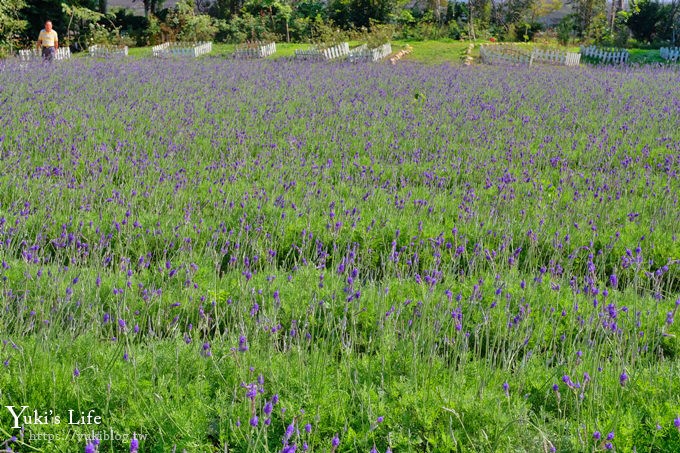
255,50
514,55
504,55
182,49
670,53
363,53
329,53
106,51
556,57
161,50
62,53
616,56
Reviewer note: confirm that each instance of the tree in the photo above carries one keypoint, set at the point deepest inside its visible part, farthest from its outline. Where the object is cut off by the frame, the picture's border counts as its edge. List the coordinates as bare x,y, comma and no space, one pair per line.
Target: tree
79,15
225,9
11,23
359,13
479,15
151,6
670,22
644,20
586,12
186,25
278,12
37,12
540,8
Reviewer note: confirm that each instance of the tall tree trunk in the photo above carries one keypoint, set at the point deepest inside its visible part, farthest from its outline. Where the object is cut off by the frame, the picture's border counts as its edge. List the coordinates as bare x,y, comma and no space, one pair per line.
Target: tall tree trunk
471,21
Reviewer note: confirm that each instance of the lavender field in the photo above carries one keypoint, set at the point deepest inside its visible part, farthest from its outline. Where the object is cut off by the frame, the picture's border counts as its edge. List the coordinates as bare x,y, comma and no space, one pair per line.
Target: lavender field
271,256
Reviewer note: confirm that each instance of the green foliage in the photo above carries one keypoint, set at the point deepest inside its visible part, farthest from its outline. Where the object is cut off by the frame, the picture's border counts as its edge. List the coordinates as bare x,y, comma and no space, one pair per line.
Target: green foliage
129,24
225,9
11,22
591,18
646,19
245,27
83,22
311,9
278,13
185,25
567,29
79,13
153,32
598,30
423,31
621,30
360,13
99,34
379,34
524,31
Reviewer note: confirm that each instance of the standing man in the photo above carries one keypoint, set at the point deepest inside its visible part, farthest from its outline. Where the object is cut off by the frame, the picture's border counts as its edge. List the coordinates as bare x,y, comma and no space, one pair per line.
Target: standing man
48,41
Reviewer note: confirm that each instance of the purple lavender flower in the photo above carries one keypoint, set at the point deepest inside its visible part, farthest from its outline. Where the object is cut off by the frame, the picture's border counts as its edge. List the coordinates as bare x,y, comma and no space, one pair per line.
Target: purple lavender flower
614,281
242,344
267,408
90,448
134,445
254,421
290,430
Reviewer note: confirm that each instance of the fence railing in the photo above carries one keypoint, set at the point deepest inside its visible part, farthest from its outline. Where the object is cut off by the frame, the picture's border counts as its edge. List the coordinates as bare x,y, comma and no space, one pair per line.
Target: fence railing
511,54
62,53
670,53
160,50
505,54
616,56
255,50
326,54
556,57
363,53
106,51
182,49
